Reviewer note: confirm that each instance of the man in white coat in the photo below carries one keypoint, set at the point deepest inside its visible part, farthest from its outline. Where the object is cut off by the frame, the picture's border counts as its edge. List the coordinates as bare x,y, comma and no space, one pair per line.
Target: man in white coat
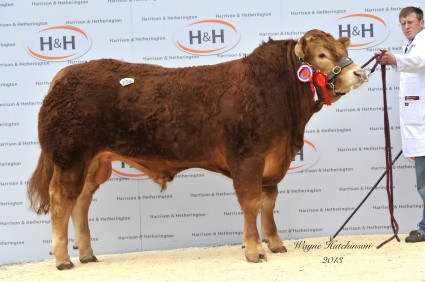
411,66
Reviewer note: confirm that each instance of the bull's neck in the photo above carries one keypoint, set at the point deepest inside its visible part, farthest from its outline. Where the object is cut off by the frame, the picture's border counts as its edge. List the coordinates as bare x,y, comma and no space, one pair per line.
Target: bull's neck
273,66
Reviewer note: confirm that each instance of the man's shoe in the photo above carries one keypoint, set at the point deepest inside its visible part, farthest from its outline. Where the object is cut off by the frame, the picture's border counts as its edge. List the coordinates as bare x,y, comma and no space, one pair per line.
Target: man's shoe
414,233
417,237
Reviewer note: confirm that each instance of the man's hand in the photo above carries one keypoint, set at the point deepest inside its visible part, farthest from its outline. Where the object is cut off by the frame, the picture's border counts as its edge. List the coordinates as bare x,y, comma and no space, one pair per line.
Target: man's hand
387,59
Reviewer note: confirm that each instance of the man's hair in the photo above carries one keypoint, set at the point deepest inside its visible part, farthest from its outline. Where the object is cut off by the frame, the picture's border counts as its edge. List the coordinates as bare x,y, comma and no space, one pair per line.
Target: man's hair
408,10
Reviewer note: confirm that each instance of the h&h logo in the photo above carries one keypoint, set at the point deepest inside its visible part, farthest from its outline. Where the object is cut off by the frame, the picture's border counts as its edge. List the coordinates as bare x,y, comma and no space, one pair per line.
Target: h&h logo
207,37
364,30
58,43
306,157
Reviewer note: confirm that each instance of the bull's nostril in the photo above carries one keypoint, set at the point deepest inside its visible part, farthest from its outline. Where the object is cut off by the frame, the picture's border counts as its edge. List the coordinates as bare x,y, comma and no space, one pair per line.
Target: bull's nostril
361,74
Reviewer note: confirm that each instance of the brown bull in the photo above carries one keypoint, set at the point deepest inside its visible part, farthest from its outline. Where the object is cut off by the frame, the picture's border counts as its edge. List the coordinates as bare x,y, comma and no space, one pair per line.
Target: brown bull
244,119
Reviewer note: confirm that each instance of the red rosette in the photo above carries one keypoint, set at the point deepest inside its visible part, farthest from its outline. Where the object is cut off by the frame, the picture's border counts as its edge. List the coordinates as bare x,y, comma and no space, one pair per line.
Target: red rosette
321,79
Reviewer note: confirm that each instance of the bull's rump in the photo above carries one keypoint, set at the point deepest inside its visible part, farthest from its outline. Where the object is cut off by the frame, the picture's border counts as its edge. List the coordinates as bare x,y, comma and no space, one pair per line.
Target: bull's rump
176,114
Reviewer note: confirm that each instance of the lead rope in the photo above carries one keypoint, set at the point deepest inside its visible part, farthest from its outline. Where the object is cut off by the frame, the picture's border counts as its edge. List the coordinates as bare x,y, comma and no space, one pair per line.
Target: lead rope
389,167
388,159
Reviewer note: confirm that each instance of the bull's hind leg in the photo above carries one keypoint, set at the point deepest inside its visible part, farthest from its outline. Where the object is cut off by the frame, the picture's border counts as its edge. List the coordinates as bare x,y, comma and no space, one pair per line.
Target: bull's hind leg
247,182
81,227
63,190
268,225
80,218
99,171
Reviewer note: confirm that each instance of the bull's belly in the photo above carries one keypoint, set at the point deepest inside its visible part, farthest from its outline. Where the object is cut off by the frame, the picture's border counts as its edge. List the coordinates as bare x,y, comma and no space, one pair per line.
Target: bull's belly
159,170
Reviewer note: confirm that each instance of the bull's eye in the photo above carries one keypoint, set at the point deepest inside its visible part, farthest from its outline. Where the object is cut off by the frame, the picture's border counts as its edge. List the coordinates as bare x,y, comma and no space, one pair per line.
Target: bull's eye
322,56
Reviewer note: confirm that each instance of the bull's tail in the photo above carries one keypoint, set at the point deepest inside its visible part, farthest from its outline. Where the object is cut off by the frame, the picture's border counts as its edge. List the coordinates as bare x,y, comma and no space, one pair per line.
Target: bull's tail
38,185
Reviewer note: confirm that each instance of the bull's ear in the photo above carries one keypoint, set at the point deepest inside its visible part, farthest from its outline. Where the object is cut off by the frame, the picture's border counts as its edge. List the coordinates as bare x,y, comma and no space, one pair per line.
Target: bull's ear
299,49
344,40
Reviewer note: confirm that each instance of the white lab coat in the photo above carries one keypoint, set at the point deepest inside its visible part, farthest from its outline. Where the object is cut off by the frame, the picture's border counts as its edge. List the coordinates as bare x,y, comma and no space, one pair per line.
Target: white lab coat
412,96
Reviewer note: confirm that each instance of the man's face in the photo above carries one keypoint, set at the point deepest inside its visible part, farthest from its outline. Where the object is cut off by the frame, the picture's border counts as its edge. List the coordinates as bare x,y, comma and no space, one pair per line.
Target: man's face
411,26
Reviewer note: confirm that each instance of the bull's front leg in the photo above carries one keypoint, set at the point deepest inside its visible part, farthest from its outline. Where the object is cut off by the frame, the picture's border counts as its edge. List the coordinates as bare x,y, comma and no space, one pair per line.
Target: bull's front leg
268,225
247,180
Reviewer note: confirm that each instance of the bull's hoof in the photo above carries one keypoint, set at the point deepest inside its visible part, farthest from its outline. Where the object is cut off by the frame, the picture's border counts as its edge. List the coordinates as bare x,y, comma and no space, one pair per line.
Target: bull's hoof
88,259
254,252
276,246
280,249
65,266
256,258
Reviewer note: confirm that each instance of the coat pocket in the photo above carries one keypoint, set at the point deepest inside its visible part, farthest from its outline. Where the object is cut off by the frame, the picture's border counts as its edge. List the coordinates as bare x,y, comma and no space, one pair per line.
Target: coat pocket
413,110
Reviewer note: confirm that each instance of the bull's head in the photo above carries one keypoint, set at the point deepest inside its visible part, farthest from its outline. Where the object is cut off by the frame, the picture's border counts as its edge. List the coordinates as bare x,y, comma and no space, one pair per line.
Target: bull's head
329,55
